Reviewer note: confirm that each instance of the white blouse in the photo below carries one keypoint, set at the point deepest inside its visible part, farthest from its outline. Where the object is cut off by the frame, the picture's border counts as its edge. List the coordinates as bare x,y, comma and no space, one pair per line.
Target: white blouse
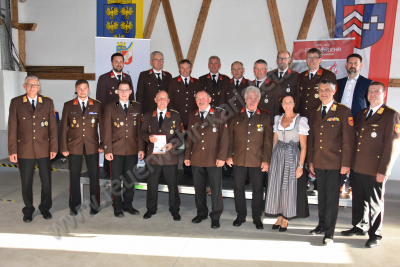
303,124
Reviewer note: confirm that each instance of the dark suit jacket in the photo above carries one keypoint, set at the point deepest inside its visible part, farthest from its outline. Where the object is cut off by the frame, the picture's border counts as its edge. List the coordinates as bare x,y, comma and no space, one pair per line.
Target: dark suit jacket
360,96
288,82
215,93
271,96
232,98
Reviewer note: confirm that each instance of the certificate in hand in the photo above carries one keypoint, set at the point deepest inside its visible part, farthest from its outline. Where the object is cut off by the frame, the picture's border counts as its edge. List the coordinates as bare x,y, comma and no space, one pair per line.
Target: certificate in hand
160,144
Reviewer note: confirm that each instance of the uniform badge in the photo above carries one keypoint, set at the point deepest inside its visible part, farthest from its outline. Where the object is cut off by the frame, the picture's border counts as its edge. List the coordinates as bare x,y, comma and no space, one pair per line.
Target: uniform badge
92,125
219,93
173,126
194,95
316,95
93,120
149,129
134,123
74,121
72,126
110,93
288,89
380,111
42,124
373,134
226,125
266,100
183,128
116,91
171,131
46,123
259,128
77,125
115,123
122,123
397,128
333,108
351,122
214,129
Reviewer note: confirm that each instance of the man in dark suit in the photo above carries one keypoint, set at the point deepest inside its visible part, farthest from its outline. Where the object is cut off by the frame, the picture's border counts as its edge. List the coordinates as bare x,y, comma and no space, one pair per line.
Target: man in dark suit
32,137
151,82
162,121
214,82
329,150
377,147
286,77
81,118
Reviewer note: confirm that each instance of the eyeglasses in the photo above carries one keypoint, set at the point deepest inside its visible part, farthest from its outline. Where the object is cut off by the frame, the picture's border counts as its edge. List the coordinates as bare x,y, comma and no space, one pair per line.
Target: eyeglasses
313,58
283,58
31,85
124,90
158,60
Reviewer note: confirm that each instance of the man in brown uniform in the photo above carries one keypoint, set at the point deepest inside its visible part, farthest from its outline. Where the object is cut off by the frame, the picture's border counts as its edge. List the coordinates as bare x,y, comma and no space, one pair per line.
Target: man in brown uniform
232,93
206,150
271,91
329,151
79,136
250,133
214,82
122,146
377,147
32,137
162,121
286,77
151,82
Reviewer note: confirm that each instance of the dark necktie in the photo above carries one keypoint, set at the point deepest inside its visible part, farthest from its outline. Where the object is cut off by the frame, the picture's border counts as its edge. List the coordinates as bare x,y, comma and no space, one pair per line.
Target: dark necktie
160,120
202,115
251,114
312,75
214,81
158,78
125,109
369,115
280,75
258,84
323,111
33,105
186,83
237,84
83,107
119,77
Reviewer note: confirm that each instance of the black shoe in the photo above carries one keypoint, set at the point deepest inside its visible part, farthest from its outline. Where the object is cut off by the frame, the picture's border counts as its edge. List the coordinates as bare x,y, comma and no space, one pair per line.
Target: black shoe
46,215
317,231
314,193
148,215
215,224
354,231
131,210
372,242
119,214
281,229
239,221
73,212
198,219
93,211
327,240
27,218
275,226
258,223
176,216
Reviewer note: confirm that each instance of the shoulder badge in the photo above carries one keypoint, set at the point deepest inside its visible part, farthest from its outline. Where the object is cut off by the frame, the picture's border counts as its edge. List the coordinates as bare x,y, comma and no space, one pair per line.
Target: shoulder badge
24,99
90,102
243,110
267,81
168,115
258,112
154,114
209,76
380,110
151,71
319,72
220,77
333,108
40,100
289,71
211,111
75,102
351,121
112,74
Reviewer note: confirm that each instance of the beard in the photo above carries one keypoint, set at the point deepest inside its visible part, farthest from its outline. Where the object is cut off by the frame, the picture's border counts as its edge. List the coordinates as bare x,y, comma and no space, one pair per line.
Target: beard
351,71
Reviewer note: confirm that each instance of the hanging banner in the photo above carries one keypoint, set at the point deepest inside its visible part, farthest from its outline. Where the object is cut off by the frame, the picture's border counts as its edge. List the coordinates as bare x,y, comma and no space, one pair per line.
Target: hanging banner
371,23
120,18
334,54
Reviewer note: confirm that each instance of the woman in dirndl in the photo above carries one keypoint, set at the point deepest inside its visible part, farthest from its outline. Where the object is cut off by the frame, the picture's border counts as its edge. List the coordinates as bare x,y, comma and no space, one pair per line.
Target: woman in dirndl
284,198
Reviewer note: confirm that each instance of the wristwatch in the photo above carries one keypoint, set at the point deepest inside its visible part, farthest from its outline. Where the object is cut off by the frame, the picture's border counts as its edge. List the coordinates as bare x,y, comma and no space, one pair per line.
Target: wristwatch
301,166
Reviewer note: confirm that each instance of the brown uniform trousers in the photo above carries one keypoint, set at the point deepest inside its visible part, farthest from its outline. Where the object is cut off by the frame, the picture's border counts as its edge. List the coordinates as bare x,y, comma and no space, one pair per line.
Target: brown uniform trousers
376,150
217,91
121,133
271,94
307,90
330,147
232,98
147,88
166,163
250,144
107,87
207,141
79,136
288,82
32,135
183,99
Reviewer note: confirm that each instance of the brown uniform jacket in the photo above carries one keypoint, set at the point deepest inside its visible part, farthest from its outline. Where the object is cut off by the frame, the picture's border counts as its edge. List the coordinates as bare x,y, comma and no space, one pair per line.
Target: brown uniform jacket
207,141
331,142
171,128
121,132
250,140
32,134
107,87
307,91
377,141
288,82
148,87
233,97
78,129
215,93
183,99
271,94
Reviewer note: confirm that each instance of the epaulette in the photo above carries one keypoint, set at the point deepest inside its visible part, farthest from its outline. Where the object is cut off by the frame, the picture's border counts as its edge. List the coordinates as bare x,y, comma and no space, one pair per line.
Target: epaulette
341,104
174,110
167,72
265,110
275,82
219,108
46,97
194,78
96,100
225,76
133,101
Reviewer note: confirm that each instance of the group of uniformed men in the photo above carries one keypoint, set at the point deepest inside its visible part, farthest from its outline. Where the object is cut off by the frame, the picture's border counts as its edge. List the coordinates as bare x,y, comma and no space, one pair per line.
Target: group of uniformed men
197,112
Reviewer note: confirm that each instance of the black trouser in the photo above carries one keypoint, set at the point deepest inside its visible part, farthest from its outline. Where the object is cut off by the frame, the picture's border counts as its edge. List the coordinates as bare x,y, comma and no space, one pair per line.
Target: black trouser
199,181
153,180
328,198
256,179
120,166
106,165
368,204
75,167
187,170
26,168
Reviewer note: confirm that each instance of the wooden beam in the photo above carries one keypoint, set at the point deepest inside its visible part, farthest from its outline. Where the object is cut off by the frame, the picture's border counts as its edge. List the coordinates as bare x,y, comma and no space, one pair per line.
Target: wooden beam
14,10
21,47
276,25
308,16
394,82
198,30
24,26
63,76
151,19
330,17
172,30
55,69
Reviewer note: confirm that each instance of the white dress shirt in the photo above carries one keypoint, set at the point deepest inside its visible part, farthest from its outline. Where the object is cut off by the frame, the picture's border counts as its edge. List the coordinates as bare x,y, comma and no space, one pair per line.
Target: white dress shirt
347,98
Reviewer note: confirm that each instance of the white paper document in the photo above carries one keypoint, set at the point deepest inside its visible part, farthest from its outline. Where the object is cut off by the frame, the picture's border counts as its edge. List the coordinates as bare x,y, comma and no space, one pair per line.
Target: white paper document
160,144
